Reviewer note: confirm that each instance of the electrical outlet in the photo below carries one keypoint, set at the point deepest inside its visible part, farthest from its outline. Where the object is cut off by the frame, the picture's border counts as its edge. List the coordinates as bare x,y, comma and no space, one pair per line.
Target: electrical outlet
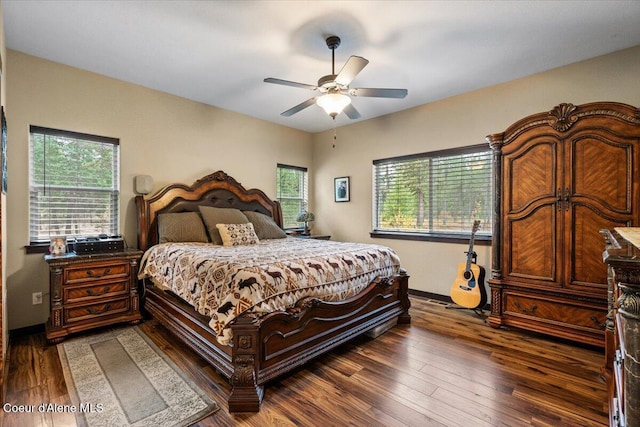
36,298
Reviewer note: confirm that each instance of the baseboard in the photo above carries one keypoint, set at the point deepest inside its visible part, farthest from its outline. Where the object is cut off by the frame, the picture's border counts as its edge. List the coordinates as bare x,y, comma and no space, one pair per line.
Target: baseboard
442,298
27,330
430,295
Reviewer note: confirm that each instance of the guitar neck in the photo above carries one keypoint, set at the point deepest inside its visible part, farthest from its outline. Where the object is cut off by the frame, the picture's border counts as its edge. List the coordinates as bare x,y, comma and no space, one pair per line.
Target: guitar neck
476,224
470,253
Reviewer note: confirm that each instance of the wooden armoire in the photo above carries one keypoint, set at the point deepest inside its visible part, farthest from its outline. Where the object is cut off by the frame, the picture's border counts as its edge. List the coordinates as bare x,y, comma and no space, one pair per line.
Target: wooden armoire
559,178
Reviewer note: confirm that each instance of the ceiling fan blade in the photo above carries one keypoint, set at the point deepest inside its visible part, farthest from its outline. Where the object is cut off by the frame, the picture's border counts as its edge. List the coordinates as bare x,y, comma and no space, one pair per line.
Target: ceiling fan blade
299,107
350,70
290,83
378,93
351,112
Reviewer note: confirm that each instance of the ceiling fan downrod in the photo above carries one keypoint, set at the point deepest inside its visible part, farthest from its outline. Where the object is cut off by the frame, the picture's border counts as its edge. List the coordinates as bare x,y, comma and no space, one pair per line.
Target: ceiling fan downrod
332,43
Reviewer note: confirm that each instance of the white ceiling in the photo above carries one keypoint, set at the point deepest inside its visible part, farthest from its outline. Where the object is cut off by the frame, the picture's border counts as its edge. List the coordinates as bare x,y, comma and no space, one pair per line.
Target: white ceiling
219,52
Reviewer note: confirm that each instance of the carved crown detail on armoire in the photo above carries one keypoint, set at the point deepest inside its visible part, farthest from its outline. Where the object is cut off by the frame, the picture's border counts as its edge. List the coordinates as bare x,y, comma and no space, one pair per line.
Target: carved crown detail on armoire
559,178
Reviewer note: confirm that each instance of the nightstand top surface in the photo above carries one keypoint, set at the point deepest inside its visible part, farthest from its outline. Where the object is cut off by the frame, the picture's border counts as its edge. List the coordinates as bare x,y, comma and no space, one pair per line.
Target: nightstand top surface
73,257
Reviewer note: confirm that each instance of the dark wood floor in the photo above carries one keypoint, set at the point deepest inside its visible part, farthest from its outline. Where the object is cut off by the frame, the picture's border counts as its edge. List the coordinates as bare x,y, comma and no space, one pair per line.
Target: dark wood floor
448,368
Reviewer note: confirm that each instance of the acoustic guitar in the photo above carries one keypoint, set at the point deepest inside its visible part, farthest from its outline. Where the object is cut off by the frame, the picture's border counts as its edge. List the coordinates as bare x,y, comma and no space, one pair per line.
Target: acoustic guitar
468,289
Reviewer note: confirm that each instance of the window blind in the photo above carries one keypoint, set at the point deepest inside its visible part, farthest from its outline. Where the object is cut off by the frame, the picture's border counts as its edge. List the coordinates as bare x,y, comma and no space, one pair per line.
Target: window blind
292,191
74,188
437,192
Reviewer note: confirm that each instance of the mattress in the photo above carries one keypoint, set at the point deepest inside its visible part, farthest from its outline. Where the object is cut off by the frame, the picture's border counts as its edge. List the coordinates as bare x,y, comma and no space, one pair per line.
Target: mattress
223,282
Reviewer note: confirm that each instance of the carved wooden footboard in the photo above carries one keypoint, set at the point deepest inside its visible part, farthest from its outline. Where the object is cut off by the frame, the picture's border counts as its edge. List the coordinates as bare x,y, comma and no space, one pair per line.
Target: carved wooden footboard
265,348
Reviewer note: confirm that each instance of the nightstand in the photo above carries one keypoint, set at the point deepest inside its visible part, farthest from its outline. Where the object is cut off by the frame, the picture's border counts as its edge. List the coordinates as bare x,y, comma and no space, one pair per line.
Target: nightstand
90,291
313,236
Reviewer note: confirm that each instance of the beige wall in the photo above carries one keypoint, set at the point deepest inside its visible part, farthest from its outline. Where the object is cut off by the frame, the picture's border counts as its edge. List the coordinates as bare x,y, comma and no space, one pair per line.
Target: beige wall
170,138
173,139
453,122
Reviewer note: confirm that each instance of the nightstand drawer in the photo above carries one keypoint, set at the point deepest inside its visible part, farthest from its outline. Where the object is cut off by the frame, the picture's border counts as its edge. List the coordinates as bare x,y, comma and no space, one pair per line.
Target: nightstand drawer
96,310
101,271
75,294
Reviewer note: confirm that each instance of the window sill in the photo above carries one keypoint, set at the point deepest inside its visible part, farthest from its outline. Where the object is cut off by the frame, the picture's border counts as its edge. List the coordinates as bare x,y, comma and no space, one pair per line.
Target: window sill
480,240
37,248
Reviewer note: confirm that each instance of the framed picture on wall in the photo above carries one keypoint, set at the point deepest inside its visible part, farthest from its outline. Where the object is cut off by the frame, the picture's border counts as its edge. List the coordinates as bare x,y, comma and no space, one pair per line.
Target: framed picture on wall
4,151
341,189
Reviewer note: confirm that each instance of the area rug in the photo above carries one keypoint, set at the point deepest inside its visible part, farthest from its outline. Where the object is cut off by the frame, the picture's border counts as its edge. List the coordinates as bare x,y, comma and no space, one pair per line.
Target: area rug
121,378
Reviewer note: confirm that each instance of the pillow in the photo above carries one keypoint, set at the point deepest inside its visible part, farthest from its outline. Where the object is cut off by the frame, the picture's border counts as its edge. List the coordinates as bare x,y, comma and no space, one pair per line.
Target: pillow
265,226
237,234
181,227
213,216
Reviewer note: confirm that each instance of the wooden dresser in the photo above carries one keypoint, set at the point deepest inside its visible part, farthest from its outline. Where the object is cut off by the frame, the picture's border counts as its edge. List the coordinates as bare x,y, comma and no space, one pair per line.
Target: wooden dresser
89,291
560,177
622,350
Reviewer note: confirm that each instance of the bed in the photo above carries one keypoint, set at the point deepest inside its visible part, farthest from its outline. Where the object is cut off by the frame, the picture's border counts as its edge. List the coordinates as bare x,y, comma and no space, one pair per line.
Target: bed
257,344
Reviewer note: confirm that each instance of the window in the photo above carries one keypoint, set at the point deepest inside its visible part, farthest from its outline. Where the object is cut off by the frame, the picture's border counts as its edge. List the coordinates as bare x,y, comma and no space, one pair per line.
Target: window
437,194
292,193
73,184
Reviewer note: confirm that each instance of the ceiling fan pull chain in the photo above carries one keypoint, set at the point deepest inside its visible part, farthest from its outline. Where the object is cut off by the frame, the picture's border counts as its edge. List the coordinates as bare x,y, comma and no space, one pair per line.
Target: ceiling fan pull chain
335,133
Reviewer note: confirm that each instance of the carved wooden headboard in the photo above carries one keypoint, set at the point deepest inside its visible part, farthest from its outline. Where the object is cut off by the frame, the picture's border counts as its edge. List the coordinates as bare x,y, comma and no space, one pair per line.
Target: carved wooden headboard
217,189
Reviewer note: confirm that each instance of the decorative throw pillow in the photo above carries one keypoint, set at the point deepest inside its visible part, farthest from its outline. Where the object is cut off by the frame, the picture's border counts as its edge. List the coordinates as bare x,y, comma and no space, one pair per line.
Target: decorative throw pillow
181,227
265,226
237,234
213,216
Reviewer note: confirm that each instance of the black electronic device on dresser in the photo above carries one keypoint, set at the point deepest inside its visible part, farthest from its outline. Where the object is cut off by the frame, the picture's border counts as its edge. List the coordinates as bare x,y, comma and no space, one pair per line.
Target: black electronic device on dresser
99,244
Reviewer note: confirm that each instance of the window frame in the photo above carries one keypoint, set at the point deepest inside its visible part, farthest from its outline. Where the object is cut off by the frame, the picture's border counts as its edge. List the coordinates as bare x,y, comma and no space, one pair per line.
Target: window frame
41,246
436,236
304,200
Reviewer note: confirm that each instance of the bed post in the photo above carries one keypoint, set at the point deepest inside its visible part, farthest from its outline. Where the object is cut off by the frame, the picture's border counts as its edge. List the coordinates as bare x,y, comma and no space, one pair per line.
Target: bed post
403,284
143,223
246,394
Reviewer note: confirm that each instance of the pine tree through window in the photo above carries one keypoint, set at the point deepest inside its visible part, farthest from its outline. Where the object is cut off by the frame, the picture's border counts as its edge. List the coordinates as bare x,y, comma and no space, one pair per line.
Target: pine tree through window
74,188
438,193
292,191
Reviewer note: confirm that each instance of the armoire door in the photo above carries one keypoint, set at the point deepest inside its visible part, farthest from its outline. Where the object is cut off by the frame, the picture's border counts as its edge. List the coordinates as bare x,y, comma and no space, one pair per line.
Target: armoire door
602,193
532,236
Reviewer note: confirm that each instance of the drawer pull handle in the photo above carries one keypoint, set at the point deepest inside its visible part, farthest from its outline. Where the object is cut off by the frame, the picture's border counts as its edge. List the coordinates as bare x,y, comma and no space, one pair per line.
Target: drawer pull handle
526,310
105,308
106,271
91,293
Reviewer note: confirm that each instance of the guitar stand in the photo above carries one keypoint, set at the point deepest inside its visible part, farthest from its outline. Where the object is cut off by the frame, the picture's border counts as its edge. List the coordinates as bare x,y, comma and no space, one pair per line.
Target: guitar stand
478,311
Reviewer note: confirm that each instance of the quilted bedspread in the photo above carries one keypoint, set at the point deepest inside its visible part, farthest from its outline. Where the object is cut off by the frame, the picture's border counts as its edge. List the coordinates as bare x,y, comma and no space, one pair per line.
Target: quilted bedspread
223,282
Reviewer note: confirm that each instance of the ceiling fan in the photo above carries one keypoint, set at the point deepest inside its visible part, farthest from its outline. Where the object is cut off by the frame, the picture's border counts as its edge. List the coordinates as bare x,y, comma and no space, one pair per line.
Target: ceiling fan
334,92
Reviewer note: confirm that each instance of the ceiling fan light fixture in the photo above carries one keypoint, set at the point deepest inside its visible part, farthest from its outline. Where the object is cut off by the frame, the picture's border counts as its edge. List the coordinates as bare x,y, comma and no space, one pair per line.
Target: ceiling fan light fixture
334,93
333,103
